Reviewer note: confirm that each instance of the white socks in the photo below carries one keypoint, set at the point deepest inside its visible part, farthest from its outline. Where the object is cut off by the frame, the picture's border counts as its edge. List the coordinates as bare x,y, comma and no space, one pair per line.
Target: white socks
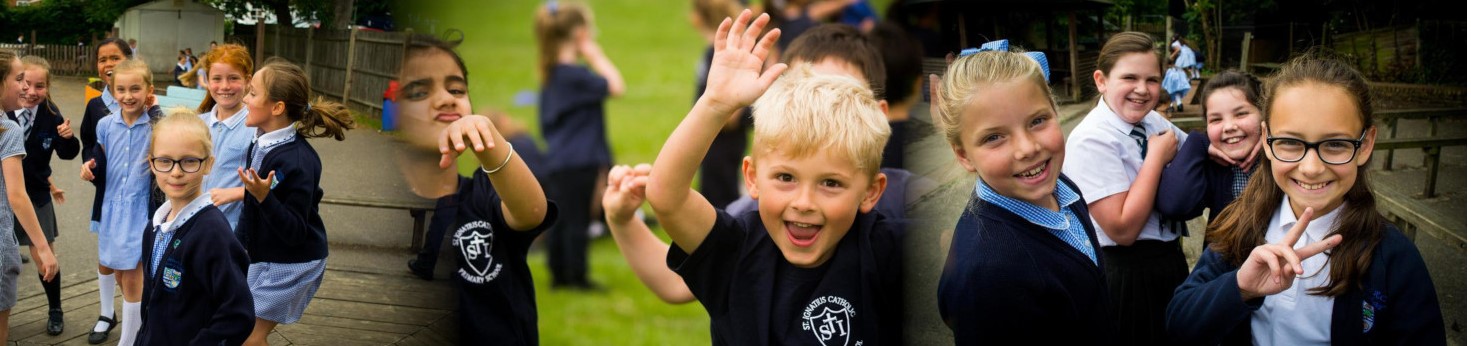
132,320
106,288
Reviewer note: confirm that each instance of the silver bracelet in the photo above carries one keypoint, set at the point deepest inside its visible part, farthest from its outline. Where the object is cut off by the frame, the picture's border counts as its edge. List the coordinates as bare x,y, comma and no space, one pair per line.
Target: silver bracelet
510,150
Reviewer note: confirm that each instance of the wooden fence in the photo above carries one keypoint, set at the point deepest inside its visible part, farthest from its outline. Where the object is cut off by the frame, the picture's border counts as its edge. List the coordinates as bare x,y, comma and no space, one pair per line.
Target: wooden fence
66,60
1430,50
348,66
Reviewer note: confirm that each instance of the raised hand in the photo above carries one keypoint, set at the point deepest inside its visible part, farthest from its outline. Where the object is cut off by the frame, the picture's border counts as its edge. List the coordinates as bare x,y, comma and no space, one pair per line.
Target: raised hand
475,132
1271,268
257,186
65,129
735,79
625,191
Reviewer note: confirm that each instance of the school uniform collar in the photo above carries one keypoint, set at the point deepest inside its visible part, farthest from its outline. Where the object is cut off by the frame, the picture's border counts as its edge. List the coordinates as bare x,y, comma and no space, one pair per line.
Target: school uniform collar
1032,213
107,99
162,214
275,138
1317,229
146,117
1118,124
233,122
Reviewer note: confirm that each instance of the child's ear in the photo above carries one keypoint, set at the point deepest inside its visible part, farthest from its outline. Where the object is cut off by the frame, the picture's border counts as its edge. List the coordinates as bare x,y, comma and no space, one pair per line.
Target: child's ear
960,157
884,107
1367,149
278,108
874,191
748,169
1099,80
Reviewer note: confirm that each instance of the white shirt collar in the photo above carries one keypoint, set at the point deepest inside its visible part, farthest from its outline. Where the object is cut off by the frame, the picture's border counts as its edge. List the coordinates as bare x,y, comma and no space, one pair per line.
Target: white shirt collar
1117,123
277,137
161,215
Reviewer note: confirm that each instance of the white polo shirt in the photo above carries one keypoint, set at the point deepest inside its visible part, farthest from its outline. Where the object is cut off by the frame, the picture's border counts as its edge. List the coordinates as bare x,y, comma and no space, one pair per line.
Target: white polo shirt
1294,317
1103,160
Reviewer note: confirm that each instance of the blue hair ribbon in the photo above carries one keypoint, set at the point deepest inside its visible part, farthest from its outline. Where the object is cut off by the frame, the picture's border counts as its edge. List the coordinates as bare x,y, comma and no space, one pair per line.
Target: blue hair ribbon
1004,46
552,7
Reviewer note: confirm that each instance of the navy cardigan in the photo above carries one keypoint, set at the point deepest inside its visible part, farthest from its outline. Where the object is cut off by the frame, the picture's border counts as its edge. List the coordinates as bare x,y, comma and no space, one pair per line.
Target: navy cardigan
1193,182
286,227
42,141
1008,279
210,303
1394,304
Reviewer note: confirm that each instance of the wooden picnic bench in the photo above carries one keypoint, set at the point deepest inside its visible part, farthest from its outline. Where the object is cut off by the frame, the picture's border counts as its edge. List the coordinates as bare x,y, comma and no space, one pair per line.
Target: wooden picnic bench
1391,123
417,209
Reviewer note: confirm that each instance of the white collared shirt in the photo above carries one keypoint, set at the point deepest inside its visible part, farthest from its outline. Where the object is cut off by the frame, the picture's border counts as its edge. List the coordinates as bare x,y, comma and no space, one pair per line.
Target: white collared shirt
1104,161
1294,317
270,140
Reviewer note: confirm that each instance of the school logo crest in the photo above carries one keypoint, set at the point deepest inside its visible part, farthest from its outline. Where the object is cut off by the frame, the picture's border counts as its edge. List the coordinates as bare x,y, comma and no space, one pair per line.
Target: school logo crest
172,277
830,319
1373,303
475,240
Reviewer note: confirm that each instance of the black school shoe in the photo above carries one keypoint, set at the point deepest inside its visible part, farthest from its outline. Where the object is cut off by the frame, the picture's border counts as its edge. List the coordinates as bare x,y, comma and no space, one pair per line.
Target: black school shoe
55,324
421,270
99,337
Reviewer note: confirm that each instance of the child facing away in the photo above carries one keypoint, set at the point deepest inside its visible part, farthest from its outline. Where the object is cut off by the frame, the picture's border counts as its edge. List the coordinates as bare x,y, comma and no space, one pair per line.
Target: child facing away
16,204
1303,256
280,226
229,69
813,264
494,215
1212,168
573,122
195,291
1025,243
1115,156
121,141
46,131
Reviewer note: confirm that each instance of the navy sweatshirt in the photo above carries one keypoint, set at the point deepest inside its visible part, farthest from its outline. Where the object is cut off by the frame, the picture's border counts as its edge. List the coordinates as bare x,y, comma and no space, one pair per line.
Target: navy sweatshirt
1009,279
1394,303
1193,182
198,294
96,110
286,227
42,141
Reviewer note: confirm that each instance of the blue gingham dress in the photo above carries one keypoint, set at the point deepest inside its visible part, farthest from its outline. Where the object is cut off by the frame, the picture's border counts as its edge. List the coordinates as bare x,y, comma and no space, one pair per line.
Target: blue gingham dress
281,290
125,210
10,266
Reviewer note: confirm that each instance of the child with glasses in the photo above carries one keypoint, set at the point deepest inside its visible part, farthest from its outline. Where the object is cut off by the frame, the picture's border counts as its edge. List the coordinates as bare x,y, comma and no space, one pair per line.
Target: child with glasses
1262,279
195,289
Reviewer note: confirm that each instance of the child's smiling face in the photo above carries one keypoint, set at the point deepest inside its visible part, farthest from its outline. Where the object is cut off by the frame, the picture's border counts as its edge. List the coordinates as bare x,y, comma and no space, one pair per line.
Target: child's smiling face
131,92
186,149
14,86
808,204
1232,123
434,94
1314,112
1131,89
1010,137
226,85
108,56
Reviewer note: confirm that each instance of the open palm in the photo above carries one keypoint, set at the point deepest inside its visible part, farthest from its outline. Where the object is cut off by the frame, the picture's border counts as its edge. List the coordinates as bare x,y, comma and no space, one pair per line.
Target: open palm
735,79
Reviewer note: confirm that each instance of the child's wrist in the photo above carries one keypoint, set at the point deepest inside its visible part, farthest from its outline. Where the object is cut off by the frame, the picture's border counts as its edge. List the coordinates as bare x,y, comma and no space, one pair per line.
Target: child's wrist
716,109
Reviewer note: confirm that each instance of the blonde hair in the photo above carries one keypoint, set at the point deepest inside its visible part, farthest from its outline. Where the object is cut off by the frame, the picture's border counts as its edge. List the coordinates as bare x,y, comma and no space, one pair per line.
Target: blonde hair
180,121
32,61
968,74
134,66
805,113
556,23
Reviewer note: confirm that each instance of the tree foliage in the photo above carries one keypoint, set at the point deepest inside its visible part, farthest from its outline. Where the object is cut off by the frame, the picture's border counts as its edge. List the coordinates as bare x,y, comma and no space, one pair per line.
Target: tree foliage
63,21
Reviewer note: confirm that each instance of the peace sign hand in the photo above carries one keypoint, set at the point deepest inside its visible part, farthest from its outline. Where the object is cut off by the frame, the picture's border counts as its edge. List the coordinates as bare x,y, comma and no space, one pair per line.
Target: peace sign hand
1271,268
257,186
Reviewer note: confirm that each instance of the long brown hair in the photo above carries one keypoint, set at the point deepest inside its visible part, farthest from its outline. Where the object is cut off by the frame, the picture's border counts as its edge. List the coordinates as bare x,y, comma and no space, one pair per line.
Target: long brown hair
1249,86
557,23
1125,43
1243,225
287,83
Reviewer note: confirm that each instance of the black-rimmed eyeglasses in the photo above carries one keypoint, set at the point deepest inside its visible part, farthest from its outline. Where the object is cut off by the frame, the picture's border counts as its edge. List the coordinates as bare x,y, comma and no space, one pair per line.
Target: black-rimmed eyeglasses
188,164
1332,151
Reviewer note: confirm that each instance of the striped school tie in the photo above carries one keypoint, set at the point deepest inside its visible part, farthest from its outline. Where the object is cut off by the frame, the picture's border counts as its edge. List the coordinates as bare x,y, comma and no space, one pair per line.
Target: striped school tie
1139,137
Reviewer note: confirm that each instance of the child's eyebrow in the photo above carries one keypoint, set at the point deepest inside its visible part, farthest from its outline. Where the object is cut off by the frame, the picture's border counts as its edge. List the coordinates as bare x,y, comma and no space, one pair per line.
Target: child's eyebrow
455,78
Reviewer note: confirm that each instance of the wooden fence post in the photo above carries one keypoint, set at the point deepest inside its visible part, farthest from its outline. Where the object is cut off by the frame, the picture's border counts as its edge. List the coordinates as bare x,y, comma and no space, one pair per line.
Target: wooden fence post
1076,89
307,62
352,41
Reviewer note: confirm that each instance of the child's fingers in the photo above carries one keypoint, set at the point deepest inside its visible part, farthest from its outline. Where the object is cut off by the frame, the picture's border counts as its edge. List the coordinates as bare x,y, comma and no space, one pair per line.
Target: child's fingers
769,77
748,39
769,40
243,178
1273,267
444,141
1318,247
721,32
643,169
738,30
445,160
1296,232
487,133
456,138
476,142
616,176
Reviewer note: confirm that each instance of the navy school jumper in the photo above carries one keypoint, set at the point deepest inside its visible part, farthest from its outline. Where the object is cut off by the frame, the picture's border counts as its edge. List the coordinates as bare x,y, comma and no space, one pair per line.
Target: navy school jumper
1394,303
1193,182
1009,279
210,303
286,227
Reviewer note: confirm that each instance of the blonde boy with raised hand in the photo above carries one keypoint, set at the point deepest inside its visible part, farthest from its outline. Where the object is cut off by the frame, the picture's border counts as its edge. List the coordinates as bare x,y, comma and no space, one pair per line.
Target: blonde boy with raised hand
812,265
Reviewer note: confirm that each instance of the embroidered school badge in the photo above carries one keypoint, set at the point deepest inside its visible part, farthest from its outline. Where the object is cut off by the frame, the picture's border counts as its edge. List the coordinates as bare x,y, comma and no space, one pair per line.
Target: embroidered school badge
474,240
176,243
171,278
829,318
1373,302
